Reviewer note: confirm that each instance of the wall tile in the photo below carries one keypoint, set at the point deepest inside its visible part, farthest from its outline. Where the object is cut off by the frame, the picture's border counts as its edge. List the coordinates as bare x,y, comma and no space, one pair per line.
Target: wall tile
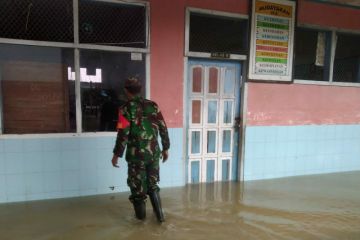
52,182
88,143
88,179
70,181
14,162
301,150
16,198
13,145
59,167
51,144
2,187
2,164
33,162
70,143
104,159
88,159
1,146
105,179
33,197
105,142
51,161
32,145
34,183
15,186
70,193
70,160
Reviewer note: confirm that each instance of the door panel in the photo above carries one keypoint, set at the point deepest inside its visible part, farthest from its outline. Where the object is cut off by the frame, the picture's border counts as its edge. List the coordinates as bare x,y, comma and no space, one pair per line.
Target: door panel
213,104
195,172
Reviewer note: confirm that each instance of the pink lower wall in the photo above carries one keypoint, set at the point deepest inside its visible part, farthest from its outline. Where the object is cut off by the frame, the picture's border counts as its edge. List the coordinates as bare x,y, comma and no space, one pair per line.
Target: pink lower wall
296,104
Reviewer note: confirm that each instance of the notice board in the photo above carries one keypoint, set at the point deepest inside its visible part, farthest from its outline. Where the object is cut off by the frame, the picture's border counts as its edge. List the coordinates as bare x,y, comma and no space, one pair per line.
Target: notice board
272,40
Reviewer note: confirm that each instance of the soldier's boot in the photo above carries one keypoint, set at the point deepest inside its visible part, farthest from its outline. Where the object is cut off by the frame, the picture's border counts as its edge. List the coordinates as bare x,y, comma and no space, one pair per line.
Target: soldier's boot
140,209
156,203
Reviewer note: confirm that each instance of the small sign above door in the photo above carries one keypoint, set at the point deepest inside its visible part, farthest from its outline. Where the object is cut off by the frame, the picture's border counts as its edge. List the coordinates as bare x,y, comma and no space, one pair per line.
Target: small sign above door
220,55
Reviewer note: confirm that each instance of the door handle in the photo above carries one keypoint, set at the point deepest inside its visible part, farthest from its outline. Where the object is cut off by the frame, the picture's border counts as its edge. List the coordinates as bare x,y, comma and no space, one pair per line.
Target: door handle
237,122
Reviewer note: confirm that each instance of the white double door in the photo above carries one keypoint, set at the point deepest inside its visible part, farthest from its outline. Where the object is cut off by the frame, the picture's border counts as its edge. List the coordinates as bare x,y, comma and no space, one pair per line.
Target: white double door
213,105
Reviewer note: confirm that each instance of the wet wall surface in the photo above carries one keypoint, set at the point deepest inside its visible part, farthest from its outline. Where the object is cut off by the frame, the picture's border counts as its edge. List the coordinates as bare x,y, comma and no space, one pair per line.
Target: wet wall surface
306,207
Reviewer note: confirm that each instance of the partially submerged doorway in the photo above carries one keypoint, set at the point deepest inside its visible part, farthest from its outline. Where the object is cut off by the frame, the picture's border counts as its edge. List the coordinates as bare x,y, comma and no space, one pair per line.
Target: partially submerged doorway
213,104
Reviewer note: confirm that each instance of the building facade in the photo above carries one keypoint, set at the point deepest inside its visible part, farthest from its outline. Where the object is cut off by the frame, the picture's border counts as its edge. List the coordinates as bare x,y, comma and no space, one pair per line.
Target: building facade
63,65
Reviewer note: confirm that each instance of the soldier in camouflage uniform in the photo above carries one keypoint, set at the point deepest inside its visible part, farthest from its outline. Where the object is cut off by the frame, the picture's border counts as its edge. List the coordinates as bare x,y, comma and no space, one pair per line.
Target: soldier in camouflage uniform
140,122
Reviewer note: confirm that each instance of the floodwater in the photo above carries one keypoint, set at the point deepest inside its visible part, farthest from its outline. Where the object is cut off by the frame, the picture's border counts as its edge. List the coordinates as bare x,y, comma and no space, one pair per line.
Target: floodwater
306,207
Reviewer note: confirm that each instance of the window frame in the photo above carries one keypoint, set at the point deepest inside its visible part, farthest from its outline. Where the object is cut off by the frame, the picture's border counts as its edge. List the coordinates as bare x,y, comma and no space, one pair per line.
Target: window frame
334,32
190,10
76,46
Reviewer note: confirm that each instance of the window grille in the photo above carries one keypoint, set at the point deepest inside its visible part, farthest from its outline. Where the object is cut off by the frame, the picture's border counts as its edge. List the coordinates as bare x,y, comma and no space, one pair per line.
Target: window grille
347,58
112,24
210,33
41,20
308,45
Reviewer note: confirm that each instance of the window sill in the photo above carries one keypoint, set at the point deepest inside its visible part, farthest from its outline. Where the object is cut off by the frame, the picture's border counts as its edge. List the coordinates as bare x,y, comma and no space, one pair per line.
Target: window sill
58,135
338,84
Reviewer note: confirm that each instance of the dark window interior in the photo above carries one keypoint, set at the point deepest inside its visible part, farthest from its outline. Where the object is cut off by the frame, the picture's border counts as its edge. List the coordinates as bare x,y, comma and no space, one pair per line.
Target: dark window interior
347,58
218,34
112,24
306,47
41,20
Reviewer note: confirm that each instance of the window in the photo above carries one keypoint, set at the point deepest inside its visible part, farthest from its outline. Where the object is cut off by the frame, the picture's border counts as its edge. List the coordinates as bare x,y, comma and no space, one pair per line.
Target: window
43,20
102,96
37,95
347,58
41,57
210,33
112,24
313,54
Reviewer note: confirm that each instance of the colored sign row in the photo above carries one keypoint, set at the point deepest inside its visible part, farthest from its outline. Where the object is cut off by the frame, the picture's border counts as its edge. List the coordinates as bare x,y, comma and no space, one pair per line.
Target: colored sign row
272,27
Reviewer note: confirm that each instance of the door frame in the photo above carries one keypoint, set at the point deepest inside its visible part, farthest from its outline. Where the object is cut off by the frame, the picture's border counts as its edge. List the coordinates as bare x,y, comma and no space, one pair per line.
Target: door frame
242,112
242,59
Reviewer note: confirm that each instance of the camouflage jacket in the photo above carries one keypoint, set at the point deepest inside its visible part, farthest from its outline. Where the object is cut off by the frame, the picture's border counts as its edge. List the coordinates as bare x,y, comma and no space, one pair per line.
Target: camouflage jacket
144,122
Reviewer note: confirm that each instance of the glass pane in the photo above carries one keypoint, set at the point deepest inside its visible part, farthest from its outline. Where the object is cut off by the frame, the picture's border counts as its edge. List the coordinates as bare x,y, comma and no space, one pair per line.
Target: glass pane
225,169
312,55
41,20
228,111
210,170
38,94
226,141
102,80
213,80
195,142
197,80
109,23
210,33
347,58
212,111
211,142
195,172
196,111
229,82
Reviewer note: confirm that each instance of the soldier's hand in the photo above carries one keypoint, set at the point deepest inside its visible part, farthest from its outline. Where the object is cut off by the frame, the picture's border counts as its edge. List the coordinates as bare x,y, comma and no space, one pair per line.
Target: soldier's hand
114,161
165,155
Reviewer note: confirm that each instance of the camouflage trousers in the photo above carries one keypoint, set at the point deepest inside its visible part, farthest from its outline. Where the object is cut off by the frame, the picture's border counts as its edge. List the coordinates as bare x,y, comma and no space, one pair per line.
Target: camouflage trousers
143,177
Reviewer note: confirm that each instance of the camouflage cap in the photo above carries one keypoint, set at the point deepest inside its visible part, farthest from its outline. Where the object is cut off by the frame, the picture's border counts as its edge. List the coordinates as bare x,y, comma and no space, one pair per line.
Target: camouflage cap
132,82
133,85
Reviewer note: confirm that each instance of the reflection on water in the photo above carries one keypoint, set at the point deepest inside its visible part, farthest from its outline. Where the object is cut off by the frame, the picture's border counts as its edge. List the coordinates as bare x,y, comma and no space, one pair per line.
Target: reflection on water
307,207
